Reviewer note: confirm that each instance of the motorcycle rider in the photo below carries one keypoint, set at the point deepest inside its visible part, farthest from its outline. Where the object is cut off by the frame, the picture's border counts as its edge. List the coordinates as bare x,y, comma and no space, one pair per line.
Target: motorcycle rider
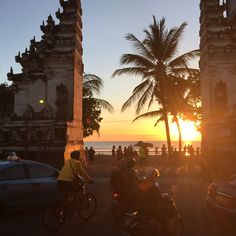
150,195
125,181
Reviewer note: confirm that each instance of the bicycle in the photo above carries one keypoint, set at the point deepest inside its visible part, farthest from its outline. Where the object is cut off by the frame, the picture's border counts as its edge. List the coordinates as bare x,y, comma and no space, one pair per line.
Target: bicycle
83,202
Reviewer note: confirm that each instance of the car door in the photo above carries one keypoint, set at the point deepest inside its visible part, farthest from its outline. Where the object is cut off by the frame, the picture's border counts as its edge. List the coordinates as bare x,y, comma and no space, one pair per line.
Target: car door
43,184
15,186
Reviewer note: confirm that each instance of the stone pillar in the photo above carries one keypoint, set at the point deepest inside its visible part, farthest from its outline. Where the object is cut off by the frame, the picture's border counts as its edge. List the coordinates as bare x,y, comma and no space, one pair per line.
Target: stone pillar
218,79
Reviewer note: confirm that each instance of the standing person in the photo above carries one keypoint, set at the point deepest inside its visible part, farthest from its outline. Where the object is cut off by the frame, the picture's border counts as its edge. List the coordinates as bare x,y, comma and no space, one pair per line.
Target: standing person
185,150
191,151
91,154
156,150
113,152
197,152
146,151
125,152
119,153
163,150
86,154
142,155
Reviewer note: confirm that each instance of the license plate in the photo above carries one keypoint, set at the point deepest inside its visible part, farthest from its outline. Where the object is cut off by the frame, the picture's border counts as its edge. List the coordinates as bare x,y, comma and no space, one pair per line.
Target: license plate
221,200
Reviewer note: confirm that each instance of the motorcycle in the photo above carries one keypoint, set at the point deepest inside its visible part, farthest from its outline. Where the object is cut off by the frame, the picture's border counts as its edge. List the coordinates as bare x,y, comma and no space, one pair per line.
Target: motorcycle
118,208
169,222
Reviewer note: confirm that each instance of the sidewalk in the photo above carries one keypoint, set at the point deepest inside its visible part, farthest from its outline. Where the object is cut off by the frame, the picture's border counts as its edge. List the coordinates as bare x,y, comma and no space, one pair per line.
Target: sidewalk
103,165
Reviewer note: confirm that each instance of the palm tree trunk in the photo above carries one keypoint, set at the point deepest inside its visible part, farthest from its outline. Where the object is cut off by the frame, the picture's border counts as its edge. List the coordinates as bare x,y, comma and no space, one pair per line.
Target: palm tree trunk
167,134
180,134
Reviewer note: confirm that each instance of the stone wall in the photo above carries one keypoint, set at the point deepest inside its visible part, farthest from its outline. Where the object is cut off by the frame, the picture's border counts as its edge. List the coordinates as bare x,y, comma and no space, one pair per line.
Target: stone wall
47,118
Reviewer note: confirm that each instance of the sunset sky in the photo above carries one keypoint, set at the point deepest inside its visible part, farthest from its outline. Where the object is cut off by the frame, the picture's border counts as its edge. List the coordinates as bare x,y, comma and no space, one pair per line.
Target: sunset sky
105,24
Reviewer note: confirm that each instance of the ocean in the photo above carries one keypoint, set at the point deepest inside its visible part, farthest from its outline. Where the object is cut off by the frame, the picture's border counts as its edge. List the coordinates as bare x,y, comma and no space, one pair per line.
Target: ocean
105,147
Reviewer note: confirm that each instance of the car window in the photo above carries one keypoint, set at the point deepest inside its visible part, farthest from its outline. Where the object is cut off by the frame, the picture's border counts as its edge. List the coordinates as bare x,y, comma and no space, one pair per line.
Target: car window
40,171
13,172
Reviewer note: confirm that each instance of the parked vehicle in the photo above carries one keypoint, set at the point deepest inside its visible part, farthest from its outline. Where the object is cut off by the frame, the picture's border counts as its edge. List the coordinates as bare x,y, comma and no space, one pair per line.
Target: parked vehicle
82,202
221,198
27,184
168,223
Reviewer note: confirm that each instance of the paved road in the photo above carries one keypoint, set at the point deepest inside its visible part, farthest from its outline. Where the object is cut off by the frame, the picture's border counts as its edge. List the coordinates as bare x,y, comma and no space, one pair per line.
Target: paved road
189,195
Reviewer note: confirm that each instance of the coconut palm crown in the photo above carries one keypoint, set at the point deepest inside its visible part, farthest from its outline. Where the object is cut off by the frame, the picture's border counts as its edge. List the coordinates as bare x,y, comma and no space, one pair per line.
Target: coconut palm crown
157,62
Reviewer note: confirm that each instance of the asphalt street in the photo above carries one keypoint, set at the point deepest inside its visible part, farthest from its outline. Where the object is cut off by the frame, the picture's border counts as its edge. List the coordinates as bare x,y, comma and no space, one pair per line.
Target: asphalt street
188,193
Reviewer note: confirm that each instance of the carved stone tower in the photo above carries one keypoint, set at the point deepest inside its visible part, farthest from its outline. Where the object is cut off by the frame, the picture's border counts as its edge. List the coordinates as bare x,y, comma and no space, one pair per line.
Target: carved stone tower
218,75
47,118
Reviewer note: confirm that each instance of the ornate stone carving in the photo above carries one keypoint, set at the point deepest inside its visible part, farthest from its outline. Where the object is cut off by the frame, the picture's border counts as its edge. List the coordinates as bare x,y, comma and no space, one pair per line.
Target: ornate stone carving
28,114
48,111
49,136
1,136
32,135
221,95
61,101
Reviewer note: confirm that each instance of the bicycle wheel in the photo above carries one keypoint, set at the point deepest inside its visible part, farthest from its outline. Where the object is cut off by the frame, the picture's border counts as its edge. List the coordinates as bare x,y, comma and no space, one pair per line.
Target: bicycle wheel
54,217
87,206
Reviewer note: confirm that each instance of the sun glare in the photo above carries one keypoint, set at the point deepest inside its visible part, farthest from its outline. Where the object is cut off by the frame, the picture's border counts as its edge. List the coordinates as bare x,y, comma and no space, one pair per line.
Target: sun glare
189,132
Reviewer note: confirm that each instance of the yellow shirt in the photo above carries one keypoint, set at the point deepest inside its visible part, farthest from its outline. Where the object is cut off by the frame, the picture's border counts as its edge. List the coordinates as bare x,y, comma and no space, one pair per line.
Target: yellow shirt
70,169
142,153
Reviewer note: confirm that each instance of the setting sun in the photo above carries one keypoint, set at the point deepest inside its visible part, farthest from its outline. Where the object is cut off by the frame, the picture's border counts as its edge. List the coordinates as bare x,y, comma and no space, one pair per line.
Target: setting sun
189,132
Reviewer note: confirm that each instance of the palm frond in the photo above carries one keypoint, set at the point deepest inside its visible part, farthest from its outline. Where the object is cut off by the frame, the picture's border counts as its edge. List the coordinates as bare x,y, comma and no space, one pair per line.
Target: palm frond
105,105
150,114
180,72
144,98
136,60
159,120
182,60
92,83
139,71
137,92
173,41
140,47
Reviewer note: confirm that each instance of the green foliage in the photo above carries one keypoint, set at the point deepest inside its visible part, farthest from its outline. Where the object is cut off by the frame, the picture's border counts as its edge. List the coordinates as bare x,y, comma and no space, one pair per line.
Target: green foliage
6,99
91,114
92,107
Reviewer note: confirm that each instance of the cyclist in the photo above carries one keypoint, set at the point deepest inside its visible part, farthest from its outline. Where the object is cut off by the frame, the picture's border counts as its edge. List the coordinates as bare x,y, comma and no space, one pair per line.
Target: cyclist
72,169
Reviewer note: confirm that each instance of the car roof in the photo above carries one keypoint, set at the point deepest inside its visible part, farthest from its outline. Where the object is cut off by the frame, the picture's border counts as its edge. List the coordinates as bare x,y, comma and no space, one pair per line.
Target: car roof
5,163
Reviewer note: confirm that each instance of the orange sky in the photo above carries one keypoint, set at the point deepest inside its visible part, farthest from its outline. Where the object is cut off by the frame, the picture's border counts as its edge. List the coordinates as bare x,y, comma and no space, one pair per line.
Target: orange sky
119,127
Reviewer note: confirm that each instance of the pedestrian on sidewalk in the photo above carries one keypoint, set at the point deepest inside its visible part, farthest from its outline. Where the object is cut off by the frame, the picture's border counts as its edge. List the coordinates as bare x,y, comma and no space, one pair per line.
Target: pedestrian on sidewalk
91,154
113,152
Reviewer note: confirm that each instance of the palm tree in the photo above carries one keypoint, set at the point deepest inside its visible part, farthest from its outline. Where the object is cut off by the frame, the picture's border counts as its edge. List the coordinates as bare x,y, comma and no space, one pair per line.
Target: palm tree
92,85
156,62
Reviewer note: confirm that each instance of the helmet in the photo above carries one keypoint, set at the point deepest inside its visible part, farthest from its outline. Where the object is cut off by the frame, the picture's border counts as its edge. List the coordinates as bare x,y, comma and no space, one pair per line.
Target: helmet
130,162
152,173
75,155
